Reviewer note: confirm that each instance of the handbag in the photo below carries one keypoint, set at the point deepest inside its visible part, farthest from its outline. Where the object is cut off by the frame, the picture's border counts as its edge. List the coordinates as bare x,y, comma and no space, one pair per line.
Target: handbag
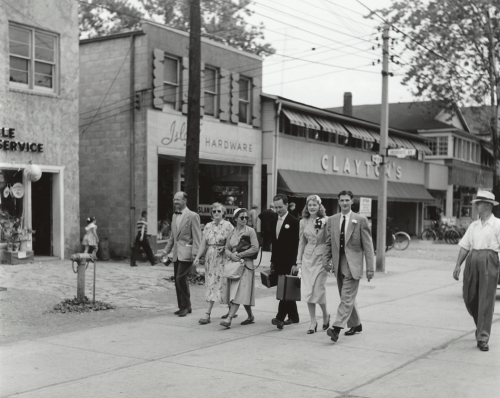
233,270
288,288
245,244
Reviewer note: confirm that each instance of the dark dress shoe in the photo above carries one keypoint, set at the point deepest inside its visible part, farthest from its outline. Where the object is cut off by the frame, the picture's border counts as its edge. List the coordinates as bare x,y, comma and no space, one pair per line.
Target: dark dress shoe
291,321
183,313
354,330
189,310
278,323
248,321
483,346
333,333
133,265
327,325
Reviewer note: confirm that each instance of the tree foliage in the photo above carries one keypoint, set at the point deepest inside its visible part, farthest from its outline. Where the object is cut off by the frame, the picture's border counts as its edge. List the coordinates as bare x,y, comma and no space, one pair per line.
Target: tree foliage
447,47
223,21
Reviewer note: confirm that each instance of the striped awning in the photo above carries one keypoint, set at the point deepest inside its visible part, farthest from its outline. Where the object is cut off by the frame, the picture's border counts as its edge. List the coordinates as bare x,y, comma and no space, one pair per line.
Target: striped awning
402,142
361,133
390,141
301,119
331,126
422,147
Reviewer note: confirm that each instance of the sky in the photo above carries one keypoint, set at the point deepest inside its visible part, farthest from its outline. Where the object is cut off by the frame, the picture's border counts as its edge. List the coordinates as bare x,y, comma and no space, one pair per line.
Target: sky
315,40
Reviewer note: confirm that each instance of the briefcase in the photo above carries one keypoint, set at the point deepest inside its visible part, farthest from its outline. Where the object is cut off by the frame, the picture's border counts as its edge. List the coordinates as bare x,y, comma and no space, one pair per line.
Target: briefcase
288,288
268,279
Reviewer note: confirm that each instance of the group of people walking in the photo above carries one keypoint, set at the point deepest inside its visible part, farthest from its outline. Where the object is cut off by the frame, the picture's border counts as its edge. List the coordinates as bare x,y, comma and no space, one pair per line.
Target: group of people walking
313,246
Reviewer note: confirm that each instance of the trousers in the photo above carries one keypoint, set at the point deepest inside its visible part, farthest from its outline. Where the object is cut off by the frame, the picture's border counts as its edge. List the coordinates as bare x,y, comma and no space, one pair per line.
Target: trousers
347,311
181,272
479,289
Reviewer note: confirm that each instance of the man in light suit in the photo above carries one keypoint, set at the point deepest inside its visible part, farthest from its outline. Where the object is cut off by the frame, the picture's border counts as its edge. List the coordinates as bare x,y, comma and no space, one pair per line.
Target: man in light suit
184,242
348,241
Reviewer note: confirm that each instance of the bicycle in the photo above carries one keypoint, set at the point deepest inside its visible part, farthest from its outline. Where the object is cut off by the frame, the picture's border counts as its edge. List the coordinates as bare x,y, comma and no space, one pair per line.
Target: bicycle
398,240
449,233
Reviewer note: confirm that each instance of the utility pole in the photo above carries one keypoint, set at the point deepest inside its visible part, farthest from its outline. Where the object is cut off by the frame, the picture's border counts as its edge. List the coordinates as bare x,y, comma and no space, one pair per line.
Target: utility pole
384,127
192,163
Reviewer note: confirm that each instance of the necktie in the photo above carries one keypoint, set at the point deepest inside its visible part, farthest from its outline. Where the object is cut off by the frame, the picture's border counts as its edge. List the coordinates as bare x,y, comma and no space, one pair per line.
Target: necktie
178,212
278,226
342,235
178,219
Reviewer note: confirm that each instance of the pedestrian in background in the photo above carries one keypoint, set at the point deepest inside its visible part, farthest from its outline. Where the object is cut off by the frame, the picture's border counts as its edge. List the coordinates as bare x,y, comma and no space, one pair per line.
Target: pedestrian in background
90,239
285,243
310,257
241,291
481,246
292,209
141,240
348,241
214,242
184,243
253,217
266,217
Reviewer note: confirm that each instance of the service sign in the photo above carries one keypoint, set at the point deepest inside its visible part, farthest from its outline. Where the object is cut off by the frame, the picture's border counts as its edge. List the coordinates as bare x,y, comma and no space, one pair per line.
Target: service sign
365,207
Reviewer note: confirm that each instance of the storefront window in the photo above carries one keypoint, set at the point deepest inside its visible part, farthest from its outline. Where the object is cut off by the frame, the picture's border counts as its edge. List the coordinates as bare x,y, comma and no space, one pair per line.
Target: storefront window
11,201
166,173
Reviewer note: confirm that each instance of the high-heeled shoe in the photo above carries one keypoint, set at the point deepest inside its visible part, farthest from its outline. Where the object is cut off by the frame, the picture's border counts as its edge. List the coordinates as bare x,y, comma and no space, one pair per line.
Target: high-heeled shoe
225,316
327,325
311,331
227,324
204,321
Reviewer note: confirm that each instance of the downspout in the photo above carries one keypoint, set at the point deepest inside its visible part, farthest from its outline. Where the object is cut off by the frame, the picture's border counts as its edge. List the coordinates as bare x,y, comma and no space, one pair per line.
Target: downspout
276,152
132,138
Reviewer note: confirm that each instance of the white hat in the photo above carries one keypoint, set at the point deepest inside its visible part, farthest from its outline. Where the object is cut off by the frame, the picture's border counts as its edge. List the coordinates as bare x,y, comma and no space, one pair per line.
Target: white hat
485,196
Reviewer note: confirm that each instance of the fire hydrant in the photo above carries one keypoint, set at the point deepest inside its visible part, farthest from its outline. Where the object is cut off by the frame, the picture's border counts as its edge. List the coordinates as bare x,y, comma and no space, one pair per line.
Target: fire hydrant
82,260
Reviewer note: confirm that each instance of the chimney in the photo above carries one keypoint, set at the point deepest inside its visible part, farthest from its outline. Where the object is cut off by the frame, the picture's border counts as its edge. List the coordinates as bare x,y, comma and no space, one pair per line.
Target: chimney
347,104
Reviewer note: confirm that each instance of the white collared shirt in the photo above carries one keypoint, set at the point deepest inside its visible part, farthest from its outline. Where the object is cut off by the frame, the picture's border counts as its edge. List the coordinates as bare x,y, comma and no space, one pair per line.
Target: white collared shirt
180,217
279,224
481,236
347,218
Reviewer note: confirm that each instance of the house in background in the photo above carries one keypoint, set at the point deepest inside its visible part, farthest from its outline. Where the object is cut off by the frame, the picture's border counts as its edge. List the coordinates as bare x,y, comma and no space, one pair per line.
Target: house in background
453,143
133,105
39,121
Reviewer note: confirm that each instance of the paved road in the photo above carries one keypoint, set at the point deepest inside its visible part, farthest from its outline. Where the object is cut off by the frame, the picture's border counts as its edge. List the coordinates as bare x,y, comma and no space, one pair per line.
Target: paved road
418,341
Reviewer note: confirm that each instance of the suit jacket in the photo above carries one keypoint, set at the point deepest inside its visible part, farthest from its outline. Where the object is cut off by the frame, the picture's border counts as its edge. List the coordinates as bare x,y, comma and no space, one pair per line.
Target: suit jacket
185,240
284,249
358,243
266,217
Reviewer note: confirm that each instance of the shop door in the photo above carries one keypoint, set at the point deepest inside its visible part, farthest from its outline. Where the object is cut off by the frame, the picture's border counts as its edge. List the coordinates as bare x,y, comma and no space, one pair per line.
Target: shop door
41,208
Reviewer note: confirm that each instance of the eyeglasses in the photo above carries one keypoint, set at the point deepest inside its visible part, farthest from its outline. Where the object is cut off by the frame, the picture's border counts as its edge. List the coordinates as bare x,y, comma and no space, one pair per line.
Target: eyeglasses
216,211
244,218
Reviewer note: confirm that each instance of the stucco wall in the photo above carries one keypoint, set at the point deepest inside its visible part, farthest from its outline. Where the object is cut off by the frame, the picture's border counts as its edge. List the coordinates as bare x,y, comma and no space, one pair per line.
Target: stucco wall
49,119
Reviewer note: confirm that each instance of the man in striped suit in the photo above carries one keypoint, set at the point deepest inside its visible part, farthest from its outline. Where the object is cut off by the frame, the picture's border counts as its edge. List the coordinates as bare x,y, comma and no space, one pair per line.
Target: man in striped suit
141,240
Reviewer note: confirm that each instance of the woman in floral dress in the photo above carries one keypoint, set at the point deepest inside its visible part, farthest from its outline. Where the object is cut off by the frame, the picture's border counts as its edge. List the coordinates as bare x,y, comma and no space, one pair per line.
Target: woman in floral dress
214,241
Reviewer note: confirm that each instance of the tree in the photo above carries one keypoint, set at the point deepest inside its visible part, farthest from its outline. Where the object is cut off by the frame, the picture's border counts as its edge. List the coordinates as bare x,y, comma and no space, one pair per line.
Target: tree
222,20
450,52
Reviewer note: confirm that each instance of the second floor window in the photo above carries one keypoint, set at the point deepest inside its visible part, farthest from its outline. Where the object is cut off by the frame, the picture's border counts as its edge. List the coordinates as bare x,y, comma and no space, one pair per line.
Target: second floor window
244,100
171,83
210,87
438,146
33,59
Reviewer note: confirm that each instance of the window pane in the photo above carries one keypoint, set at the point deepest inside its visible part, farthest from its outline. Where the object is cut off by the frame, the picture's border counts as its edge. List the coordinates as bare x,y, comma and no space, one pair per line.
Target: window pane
210,80
19,70
170,71
19,35
43,80
243,112
45,69
244,89
19,49
170,96
210,104
43,54
45,41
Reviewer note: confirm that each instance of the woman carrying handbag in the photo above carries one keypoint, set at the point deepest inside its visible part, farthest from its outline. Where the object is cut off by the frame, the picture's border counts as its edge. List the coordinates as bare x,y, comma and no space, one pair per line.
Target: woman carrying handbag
241,291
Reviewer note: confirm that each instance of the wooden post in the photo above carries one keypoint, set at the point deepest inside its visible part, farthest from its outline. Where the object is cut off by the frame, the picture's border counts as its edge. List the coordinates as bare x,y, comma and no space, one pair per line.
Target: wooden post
192,163
384,127
80,278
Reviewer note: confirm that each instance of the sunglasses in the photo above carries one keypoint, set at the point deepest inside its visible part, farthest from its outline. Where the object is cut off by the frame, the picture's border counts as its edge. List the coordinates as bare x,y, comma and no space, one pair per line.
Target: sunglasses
244,218
216,211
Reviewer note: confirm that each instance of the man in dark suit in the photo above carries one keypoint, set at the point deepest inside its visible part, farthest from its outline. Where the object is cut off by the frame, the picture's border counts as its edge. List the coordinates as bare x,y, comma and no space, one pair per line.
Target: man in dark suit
266,217
285,244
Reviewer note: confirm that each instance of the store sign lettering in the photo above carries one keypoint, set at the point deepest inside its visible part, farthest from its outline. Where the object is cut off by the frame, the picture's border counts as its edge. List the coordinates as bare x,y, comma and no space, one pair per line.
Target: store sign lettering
20,146
225,144
176,134
357,167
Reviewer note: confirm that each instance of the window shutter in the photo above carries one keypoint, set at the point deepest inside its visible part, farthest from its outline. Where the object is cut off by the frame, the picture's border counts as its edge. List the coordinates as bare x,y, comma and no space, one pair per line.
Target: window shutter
202,89
158,65
225,99
185,84
235,96
256,90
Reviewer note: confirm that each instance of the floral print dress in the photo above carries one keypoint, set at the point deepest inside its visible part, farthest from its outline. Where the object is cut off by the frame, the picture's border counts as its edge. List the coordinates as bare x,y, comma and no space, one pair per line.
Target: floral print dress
215,236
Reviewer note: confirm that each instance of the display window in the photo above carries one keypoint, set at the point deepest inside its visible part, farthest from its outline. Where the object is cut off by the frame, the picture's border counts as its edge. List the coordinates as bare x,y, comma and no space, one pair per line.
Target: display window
11,202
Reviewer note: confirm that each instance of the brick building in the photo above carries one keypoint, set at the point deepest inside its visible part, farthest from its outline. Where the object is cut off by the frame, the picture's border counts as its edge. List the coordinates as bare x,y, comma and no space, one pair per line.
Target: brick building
39,123
133,105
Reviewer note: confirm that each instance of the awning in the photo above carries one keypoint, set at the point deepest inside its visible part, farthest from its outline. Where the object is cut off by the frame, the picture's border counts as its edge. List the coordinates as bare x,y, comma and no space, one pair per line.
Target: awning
403,143
422,147
490,151
302,184
390,142
331,126
361,133
301,119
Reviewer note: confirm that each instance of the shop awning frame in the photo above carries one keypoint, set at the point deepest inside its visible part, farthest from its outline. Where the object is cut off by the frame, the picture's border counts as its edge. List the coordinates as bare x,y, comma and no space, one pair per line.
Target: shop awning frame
301,119
302,184
422,147
403,143
361,133
331,126
390,142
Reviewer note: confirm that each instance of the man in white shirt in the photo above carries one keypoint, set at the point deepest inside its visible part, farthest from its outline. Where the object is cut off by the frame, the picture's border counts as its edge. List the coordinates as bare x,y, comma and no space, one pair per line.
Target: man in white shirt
481,246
